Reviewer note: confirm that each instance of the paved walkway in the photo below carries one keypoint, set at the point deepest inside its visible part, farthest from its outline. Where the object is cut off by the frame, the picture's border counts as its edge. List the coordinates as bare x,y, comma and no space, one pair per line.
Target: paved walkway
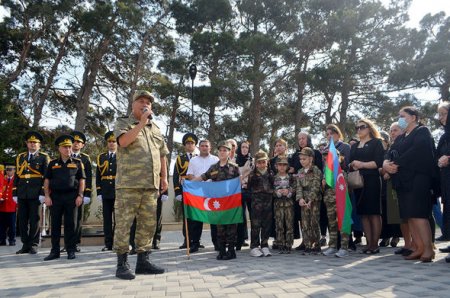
91,274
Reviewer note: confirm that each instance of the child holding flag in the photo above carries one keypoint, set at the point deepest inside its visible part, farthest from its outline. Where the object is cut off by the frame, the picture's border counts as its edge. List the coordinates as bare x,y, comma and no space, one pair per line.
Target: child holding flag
308,196
284,186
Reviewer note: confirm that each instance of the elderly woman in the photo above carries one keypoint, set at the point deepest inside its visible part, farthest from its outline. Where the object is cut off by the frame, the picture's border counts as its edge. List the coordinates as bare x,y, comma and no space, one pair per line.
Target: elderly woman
412,170
367,157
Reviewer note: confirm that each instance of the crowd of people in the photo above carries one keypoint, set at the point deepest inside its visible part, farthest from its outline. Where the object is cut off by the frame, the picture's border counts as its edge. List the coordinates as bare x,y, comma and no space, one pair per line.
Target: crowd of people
402,176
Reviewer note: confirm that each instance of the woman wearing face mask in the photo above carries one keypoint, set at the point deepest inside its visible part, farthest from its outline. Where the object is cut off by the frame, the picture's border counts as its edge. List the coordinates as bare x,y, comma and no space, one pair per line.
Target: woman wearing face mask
367,157
412,170
443,153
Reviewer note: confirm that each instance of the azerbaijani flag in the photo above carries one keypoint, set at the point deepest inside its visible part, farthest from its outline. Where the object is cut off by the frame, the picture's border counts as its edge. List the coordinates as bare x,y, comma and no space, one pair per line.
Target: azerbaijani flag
334,178
217,202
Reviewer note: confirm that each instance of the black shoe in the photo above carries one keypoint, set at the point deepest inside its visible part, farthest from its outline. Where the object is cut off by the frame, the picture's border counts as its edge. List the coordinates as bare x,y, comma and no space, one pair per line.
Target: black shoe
143,265
442,238
231,254
407,252
275,246
23,250
245,244
52,256
222,253
123,268
357,240
106,248
33,250
71,255
155,246
394,241
183,246
323,241
447,259
201,246
445,249
132,251
400,251
194,248
301,247
63,249
384,242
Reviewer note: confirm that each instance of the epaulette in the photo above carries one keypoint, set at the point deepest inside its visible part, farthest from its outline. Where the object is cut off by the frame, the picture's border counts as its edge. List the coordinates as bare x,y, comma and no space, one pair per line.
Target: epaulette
43,153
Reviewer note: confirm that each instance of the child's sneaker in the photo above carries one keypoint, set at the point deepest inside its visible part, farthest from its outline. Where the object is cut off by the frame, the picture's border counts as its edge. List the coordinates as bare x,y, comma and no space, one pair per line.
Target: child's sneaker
256,252
342,253
266,251
329,251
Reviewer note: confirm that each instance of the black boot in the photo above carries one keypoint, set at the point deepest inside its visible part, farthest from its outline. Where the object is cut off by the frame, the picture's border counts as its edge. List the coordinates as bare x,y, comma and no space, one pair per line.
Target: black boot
123,268
231,254
143,265
222,253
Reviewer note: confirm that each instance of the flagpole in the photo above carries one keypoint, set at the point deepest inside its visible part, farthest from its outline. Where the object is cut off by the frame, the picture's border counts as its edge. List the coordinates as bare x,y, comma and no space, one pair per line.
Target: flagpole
186,233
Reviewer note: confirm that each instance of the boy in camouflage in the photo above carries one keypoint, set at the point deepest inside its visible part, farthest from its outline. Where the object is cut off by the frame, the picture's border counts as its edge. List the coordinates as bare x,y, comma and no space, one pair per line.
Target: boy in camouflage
284,189
260,185
329,198
308,196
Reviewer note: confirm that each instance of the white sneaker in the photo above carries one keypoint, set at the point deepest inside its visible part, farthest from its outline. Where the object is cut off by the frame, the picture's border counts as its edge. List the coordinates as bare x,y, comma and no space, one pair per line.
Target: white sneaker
329,251
266,251
342,253
256,252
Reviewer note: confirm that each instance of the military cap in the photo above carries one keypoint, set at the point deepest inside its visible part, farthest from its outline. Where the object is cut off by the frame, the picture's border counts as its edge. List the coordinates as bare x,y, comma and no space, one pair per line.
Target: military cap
64,140
143,93
190,137
261,155
78,136
109,136
9,165
224,144
307,151
33,136
283,160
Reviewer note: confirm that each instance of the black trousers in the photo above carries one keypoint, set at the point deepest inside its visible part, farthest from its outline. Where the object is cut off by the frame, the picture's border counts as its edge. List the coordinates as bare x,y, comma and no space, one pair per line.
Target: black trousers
29,222
109,221
323,220
8,226
157,236
63,204
242,230
78,223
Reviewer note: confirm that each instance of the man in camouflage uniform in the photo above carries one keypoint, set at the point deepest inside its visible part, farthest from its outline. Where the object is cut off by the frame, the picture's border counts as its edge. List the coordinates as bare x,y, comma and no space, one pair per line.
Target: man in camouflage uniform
180,172
224,170
141,173
28,191
308,195
284,190
78,144
260,185
106,187
64,185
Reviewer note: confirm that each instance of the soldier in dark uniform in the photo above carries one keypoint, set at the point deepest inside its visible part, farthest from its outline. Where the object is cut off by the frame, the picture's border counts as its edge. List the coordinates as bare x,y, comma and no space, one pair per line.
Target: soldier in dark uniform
224,169
106,187
179,172
28,190
64,186
78,144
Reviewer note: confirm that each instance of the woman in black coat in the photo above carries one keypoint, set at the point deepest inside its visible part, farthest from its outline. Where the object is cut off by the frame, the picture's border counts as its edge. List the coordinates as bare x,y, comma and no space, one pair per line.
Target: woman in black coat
413,168
443,153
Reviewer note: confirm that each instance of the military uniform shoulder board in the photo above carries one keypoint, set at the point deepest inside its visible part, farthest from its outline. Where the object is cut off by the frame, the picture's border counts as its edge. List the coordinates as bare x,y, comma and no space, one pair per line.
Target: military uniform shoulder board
43,153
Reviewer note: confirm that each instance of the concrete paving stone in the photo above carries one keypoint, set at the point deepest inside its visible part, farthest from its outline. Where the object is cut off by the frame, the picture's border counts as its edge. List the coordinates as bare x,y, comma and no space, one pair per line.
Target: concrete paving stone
196,295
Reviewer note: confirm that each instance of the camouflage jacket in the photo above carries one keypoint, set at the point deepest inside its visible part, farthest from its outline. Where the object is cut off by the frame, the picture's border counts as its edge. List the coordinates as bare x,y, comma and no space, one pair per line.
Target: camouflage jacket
218,173
309,184
260,183
287,182
139,164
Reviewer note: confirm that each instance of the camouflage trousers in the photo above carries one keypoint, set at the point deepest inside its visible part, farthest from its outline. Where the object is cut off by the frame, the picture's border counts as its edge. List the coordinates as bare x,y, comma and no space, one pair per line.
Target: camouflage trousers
329,199
261,219
227,234
131,203
310,225
284,221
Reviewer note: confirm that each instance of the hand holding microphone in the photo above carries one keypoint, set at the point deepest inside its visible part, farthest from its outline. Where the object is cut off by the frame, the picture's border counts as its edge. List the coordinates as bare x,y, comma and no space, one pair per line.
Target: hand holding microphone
145,110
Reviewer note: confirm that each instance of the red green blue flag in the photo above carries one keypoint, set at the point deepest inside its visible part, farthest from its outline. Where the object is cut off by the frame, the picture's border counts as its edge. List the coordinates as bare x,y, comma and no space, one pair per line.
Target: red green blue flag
217,202
334,178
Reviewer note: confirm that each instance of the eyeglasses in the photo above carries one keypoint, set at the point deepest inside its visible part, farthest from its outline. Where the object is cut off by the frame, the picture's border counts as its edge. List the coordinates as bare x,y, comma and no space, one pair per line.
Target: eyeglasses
361,127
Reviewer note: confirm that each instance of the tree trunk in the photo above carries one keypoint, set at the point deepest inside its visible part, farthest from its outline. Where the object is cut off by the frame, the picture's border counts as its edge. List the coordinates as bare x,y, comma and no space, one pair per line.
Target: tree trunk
89,77
255,118
40,101
347,86
23,57
445,89
298,117
173,117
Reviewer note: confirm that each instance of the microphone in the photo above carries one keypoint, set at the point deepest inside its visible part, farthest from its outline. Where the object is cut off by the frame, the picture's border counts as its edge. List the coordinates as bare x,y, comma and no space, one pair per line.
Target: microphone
145,110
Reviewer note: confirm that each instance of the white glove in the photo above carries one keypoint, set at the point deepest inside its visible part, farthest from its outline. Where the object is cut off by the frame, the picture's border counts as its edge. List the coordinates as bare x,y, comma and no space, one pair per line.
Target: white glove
15,199
99,198
86,200
164,198
42,199
178,198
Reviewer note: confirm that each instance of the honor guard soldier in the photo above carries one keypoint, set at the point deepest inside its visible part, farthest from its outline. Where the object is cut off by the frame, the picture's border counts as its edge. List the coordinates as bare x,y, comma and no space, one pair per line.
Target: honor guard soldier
78,144
7,207
64,186
106,187
28,190
179,172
